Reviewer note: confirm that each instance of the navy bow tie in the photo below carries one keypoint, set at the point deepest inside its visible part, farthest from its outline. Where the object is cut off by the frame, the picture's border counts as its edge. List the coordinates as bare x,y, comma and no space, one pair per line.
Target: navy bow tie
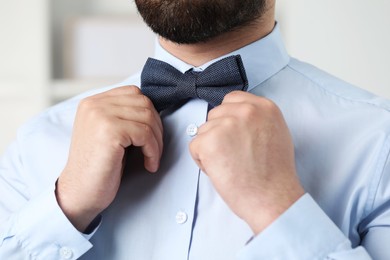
166,86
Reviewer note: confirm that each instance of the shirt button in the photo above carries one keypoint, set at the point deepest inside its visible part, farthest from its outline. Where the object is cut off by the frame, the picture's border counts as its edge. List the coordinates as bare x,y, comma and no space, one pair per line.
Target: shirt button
192,130
66,252
181,217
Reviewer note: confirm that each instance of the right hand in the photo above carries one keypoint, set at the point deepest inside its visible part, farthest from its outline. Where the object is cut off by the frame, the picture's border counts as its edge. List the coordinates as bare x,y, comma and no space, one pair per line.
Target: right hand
105,125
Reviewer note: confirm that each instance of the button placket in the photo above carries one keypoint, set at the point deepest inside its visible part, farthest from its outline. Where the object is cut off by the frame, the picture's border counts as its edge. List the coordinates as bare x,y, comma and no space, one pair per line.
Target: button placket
182,213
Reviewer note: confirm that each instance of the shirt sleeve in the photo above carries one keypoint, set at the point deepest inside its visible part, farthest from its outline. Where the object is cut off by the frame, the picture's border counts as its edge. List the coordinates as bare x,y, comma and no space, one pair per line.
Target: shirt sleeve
33,227
304,231
375,227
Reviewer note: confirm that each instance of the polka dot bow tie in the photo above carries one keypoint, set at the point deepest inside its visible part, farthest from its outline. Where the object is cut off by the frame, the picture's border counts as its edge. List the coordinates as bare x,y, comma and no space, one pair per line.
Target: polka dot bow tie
167,87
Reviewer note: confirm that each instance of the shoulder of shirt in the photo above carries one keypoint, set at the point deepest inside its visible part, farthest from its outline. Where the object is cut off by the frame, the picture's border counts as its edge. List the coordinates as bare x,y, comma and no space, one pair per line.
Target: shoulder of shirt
337,87
63,113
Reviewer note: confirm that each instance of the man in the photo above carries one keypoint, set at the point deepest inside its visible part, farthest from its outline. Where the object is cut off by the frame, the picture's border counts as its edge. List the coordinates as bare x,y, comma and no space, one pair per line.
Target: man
293,167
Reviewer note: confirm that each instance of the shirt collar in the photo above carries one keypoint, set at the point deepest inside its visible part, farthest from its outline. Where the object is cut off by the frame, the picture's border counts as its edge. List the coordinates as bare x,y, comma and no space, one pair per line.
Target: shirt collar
262,59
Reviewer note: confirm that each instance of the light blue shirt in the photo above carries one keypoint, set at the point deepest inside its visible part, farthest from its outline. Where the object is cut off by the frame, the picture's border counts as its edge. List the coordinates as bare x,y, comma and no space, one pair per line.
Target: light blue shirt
341,137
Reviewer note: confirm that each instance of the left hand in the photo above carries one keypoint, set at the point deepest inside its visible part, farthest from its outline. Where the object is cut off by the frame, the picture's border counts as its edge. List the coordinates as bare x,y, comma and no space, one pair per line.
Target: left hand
246,150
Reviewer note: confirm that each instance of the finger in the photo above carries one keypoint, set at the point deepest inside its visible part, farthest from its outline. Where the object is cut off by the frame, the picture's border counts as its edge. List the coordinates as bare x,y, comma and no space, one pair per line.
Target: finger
260,103
194,147
149,118
250,108
236,97
141,115
138,108
145,118
151,162
119,91
125,107
124,99
241,96
228,109
212,124
140,101
143,136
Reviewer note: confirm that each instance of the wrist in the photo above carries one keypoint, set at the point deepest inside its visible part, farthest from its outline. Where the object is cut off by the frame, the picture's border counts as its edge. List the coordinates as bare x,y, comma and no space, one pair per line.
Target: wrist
79,216
263,215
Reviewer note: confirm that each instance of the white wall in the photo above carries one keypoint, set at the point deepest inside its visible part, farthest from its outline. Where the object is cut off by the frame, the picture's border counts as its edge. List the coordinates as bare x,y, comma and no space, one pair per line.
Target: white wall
24,66
348,38
64,11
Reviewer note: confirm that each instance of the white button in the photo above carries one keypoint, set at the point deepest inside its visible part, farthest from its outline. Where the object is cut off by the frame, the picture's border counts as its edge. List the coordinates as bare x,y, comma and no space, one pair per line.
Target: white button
192,130
66,252
181,217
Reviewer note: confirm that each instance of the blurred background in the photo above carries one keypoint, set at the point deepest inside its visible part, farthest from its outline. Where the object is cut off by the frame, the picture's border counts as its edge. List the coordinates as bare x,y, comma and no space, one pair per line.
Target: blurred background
52,50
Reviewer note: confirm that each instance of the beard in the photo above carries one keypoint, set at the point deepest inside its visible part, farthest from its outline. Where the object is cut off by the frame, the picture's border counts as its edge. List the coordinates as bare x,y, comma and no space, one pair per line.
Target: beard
195,21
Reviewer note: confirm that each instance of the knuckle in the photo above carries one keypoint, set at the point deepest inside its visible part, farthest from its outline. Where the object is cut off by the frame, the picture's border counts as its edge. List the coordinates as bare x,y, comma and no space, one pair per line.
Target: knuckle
105,131
249,110
148,115
141,135
212,113
267,103
229,122
196,147
133,89
269,106
232,95
147,131
86,103
192,145
90,106
147,102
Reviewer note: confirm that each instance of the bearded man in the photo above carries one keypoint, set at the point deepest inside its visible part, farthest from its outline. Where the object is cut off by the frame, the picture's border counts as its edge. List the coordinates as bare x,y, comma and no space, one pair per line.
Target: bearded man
254,155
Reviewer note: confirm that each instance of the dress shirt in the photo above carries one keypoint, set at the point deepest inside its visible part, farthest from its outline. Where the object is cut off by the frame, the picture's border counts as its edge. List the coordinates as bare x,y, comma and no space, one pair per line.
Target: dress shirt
341,138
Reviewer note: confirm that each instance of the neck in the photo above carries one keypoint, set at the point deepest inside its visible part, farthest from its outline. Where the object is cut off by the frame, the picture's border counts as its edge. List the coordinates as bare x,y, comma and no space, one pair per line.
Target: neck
200,53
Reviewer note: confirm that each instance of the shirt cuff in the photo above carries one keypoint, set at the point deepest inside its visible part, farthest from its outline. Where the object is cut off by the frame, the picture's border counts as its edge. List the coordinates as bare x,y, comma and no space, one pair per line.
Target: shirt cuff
92,228
304,231
42,229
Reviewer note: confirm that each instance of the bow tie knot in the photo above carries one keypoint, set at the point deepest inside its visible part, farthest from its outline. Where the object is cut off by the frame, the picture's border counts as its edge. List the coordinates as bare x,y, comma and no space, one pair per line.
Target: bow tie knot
188,84
166,86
